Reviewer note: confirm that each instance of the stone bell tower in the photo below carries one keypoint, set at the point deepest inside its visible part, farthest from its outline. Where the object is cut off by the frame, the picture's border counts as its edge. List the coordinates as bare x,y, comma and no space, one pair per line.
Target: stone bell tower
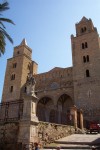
86,68
17,70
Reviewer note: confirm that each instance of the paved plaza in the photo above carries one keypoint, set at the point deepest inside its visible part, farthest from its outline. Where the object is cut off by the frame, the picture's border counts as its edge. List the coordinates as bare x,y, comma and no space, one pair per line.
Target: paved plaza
79,142
81,138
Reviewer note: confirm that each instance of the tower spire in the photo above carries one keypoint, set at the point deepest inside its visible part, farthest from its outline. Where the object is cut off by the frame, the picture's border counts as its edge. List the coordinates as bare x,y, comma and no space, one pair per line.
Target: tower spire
23,42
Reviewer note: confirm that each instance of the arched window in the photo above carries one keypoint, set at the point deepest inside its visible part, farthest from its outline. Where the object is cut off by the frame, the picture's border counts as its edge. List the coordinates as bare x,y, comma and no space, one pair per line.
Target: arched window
14,65
83,46
13,77
82,30
87,58
86,45
87,73
84,59
11,89
18,52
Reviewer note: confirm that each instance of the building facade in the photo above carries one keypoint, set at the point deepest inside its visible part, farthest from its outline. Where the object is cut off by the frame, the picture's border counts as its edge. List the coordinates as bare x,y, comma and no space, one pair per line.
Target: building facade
60,88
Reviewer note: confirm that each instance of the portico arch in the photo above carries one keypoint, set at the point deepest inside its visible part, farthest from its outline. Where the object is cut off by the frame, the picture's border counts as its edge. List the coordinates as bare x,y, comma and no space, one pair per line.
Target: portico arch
63,107
44,107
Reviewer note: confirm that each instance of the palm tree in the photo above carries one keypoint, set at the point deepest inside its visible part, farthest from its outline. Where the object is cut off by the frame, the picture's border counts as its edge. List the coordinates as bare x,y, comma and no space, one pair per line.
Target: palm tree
3,34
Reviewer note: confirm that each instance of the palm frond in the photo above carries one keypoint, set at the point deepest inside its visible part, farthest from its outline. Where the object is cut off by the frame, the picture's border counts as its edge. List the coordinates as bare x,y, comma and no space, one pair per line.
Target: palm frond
4,6
3,33
2,49
7,20
6,35
2,24
2,43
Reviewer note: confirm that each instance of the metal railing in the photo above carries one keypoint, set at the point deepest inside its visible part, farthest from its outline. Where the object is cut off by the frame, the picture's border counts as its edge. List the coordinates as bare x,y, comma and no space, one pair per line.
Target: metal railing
11,111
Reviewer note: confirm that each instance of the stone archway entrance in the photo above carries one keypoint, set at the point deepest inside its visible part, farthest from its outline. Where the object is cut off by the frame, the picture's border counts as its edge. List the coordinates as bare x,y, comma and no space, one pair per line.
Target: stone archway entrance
45,110
63,108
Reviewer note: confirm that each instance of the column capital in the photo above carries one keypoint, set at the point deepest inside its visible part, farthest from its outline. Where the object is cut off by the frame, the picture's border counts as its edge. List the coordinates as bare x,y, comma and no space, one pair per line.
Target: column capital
73,107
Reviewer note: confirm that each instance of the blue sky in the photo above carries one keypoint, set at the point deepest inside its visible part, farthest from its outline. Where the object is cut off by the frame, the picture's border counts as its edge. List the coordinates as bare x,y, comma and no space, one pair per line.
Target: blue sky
47,26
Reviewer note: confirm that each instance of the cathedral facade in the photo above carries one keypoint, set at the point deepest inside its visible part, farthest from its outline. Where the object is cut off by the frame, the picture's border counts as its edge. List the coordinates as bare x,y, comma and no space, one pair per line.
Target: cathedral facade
60,88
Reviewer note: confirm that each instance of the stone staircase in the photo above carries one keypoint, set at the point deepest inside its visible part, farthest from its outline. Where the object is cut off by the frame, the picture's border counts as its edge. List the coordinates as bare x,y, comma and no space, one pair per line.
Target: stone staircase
77,141
50,132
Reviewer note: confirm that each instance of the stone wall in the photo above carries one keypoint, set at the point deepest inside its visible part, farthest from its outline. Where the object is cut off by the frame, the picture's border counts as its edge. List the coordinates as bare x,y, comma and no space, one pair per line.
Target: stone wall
8,136
54,79
49,132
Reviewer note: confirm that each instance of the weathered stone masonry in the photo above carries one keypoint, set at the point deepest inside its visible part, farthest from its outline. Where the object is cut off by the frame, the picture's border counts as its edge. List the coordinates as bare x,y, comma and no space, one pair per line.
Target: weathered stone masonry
60,88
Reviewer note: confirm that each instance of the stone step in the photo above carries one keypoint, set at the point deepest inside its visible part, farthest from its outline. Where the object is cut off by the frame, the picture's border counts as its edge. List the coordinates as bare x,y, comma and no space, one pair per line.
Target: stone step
72,147
78,143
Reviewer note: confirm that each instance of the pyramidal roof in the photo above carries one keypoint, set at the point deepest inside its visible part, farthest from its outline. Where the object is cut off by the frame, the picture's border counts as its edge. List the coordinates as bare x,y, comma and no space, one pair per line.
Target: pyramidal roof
84,19
23,42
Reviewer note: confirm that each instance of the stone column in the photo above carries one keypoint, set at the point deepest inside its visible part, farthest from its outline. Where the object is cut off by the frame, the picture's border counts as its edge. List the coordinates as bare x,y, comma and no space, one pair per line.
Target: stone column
73,112
81,119
29,122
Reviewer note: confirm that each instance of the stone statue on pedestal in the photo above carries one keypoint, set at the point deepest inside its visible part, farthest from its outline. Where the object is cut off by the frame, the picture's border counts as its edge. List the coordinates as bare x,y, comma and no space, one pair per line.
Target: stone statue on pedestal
30,85
29,123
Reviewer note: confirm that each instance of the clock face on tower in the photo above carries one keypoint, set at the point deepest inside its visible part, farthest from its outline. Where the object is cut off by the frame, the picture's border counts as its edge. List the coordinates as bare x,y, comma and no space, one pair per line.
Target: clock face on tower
54,85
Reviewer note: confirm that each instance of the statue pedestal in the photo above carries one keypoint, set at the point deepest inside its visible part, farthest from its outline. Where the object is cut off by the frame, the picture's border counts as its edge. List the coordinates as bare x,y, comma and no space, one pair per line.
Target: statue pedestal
28,132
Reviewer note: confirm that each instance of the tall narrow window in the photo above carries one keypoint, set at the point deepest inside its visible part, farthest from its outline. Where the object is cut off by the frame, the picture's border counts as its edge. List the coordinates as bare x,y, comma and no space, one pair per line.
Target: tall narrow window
87,73
18,52
11,89
84,59
82,30
83,46
86,45
87,58
13,77
25,90
14,65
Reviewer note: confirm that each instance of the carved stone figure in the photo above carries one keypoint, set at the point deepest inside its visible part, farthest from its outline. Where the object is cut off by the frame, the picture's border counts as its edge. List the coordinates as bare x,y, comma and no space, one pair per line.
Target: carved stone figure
30,85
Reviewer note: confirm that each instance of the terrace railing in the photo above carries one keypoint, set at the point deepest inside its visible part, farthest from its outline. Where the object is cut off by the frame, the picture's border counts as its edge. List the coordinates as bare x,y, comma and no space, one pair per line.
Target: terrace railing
11,111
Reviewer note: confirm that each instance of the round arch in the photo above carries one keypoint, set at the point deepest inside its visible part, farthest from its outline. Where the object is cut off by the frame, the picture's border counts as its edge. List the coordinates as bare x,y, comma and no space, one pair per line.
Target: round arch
63,107
44,108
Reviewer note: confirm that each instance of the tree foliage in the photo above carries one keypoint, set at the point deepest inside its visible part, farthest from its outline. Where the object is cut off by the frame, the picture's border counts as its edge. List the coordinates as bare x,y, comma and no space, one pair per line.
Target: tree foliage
3,33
